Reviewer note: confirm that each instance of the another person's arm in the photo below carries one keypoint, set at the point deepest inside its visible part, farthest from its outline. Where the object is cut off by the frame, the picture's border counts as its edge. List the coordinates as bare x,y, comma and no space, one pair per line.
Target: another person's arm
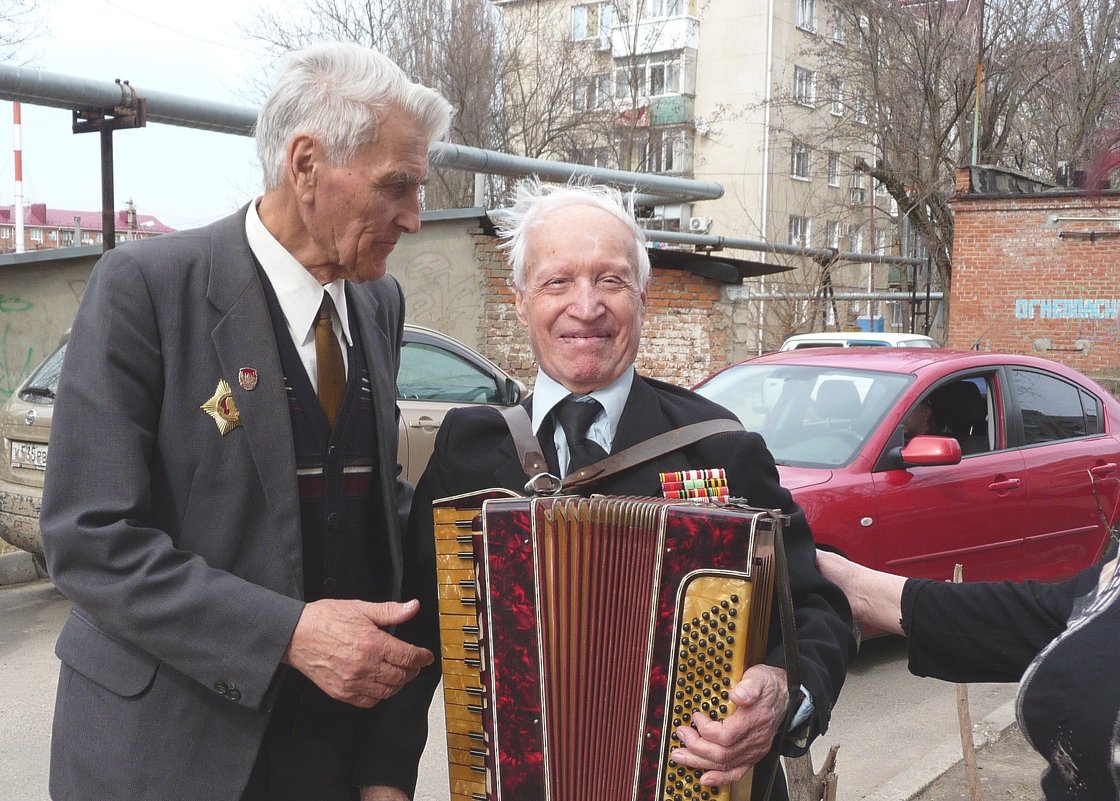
975,631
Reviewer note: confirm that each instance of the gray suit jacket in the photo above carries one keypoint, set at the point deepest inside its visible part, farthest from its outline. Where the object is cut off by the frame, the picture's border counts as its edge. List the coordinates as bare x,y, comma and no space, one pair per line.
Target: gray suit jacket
180,547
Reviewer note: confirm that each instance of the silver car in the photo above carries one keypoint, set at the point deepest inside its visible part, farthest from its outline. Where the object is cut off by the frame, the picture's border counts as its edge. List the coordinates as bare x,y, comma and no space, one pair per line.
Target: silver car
437,373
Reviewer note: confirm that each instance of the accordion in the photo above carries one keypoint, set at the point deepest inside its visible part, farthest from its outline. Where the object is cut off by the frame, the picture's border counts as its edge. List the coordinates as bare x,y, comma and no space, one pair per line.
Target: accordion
579,633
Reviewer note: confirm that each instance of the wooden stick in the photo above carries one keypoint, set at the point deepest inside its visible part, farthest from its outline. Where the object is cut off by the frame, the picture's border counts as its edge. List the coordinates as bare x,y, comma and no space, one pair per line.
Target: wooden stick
964,717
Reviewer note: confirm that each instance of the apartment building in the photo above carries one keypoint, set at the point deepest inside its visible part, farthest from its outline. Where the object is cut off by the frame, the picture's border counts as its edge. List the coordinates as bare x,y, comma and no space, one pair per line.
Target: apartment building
728,91
45,227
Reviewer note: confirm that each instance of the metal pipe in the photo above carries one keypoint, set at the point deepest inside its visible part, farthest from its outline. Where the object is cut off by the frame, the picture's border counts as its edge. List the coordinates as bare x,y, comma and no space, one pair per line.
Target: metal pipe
747,293
720,242
74,93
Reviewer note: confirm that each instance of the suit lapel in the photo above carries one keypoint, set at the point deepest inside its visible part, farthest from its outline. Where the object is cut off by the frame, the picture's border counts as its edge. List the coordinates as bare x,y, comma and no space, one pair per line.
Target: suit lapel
642,418
244,338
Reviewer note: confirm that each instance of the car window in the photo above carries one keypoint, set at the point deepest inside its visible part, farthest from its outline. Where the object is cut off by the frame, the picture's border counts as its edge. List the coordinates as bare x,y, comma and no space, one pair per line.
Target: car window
43,383
809,416
429,372
1053,409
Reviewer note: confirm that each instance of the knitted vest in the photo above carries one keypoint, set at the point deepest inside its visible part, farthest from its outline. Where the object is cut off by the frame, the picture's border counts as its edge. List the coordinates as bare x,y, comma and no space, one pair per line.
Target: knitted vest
344,555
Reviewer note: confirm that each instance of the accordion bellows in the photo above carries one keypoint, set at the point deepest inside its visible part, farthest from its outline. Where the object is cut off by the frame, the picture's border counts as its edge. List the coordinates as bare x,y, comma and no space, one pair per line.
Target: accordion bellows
579,633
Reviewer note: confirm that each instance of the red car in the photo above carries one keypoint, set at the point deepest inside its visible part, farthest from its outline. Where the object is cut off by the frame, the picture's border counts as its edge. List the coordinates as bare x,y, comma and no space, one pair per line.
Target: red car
1019,478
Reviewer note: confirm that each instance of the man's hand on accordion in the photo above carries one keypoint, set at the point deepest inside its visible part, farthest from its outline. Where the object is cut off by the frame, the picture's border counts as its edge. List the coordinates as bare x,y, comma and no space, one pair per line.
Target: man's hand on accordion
725,750
343,647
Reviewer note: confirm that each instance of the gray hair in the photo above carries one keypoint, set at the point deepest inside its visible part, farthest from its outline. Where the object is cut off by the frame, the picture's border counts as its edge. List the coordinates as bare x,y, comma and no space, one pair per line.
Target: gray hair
337,92
534,200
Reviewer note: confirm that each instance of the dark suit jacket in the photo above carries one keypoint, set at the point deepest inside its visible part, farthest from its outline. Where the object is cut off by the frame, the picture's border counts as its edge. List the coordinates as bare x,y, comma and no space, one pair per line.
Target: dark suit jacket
475,451
179,547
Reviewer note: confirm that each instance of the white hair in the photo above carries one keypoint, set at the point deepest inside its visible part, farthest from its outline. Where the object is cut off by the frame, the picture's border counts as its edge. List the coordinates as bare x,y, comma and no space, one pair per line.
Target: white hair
337,92
534,200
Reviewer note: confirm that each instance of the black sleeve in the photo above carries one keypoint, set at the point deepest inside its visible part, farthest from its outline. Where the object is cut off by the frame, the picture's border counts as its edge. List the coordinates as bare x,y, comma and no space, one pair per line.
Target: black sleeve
985,631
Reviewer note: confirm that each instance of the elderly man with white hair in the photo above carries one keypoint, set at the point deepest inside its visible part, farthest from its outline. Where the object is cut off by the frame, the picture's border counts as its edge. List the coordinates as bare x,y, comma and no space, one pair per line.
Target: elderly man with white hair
580,272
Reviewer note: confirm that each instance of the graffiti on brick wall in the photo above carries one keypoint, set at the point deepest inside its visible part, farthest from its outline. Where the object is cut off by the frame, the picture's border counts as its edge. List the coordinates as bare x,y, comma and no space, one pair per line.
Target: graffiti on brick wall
1067,309
438,295
16,360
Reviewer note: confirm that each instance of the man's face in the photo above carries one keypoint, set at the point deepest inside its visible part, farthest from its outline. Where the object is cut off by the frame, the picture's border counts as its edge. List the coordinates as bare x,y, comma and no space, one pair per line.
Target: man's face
581,301
918,421
355,214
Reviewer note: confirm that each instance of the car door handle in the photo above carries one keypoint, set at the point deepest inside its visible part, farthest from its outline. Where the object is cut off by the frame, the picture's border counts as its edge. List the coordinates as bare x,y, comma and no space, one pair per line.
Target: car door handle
1103,469
426,423
1005,485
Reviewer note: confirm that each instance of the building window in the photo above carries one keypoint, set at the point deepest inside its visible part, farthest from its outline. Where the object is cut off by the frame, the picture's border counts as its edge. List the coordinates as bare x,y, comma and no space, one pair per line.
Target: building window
837,26
800,155
882,240
807,15
856,191
804,86
834,169
855,236
592,21
656,75
590,93
5,232
593,156
836,101
799,231
861,106
67,238
36,234
835,234
651,9
664,151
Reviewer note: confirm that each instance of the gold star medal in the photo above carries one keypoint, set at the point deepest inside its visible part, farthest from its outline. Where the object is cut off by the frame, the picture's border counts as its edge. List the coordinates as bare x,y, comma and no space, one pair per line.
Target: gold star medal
221,407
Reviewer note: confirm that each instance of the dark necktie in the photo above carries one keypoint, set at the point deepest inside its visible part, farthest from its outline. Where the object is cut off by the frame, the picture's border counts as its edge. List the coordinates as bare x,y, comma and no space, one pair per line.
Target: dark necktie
576,417
328,356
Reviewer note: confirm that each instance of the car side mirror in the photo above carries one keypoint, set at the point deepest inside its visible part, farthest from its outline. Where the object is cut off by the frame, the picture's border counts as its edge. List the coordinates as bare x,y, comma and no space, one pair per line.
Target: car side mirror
927,451
514,390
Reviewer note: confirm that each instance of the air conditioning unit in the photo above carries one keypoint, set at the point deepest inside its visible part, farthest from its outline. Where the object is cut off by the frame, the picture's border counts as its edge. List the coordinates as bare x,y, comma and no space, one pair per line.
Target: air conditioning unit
603,43
699,225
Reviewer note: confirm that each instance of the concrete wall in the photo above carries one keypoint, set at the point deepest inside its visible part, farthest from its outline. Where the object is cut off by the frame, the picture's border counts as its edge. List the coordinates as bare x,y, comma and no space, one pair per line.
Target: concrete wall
455,281
438,270
39,294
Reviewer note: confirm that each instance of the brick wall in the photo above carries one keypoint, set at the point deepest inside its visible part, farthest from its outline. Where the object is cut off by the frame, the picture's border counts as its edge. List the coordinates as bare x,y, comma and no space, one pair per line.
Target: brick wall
684,338
1032,275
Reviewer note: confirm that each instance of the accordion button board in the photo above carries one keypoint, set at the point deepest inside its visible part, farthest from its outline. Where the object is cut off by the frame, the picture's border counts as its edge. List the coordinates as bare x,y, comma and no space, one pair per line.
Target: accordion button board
579,634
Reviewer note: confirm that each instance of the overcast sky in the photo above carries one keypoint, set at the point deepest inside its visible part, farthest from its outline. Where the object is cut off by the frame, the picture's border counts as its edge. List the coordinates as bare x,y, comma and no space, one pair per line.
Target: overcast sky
191,48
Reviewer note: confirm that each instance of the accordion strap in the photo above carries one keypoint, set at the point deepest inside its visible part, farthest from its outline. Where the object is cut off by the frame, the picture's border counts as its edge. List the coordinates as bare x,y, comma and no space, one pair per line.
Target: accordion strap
792,657
531,455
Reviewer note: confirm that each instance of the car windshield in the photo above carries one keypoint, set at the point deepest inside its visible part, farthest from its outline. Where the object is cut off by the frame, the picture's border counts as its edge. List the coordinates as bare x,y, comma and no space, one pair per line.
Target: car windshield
809,416
43,383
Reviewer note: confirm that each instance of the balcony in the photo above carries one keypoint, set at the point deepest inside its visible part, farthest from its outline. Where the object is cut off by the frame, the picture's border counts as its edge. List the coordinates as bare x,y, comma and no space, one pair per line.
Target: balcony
655,36
671,110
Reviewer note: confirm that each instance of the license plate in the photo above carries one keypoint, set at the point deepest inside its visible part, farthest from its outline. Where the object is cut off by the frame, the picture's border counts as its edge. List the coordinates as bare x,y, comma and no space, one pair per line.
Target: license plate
29,455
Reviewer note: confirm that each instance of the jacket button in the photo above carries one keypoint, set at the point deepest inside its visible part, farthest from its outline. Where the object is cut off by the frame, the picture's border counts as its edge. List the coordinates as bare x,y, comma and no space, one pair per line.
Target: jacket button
334,521
328,586
221,687
234,694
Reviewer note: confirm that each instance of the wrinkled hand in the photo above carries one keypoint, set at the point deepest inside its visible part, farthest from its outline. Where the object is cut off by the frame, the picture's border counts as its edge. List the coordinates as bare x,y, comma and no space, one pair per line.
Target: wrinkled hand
725,750
379,793
341,646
